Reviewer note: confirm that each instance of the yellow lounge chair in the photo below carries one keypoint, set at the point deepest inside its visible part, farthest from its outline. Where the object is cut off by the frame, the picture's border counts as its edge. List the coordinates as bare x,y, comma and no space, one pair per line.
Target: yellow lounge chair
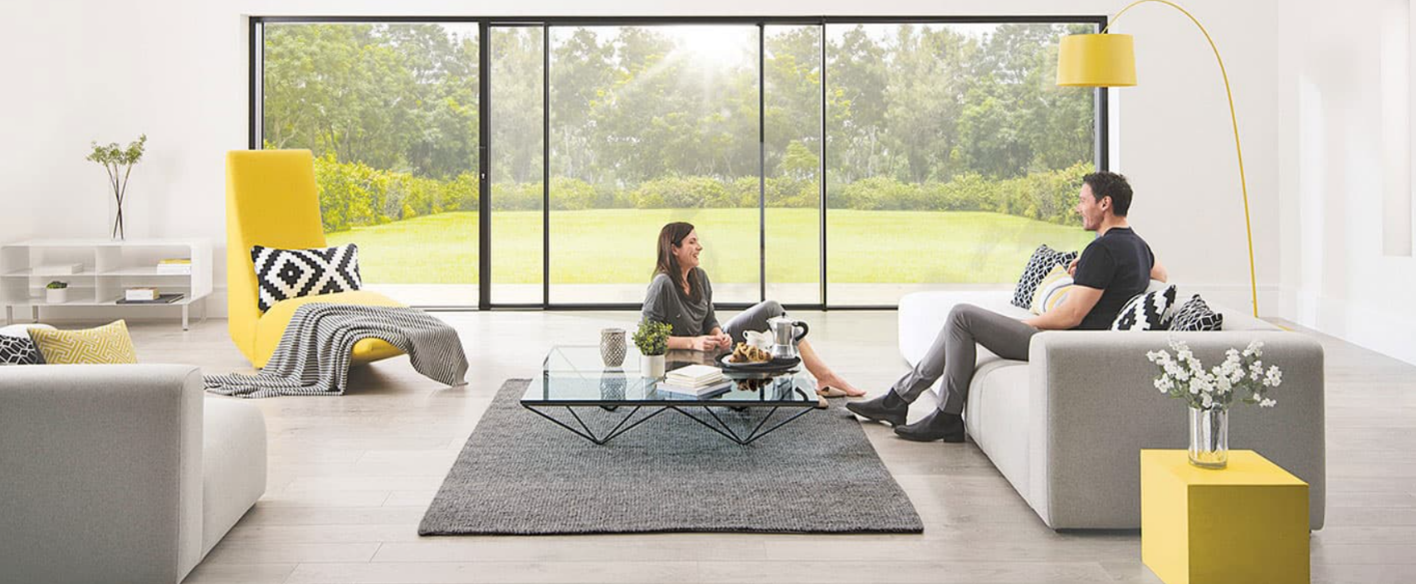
272,200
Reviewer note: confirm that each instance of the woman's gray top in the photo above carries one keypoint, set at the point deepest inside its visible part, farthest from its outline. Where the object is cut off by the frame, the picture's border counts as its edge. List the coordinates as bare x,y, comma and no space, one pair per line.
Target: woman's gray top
665,302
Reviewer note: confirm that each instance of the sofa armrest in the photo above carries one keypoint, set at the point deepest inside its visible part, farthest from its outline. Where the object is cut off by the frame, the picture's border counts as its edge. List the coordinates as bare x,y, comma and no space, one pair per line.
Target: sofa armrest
1094,408
100,472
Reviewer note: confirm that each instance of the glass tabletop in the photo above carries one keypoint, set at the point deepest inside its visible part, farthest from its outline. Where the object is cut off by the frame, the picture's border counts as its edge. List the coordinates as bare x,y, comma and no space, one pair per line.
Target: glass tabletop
576,375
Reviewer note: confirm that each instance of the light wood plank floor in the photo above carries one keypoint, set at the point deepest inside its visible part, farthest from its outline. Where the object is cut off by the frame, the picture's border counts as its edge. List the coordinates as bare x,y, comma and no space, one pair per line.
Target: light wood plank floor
351,476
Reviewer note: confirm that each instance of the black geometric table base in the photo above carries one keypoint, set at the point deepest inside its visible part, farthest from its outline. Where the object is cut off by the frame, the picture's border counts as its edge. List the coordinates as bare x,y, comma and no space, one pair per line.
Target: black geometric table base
718,425
585,432
726,431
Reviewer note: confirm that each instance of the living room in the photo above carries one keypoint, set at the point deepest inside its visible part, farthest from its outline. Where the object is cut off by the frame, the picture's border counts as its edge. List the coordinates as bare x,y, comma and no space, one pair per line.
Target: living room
366,292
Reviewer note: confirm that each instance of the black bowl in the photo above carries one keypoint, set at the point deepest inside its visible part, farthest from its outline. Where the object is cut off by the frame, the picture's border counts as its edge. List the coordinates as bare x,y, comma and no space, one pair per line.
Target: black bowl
765,366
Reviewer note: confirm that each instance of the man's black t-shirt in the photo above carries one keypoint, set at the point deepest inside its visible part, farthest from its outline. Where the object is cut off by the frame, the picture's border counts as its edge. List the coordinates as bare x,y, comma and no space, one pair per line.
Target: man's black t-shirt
1119,264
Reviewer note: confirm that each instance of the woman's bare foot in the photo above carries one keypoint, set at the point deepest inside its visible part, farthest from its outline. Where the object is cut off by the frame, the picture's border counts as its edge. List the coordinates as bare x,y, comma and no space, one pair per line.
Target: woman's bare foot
837,382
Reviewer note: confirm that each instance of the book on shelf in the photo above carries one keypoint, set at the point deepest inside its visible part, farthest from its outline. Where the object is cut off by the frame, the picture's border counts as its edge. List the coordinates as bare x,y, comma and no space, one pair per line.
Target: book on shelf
136,294
162,299
720,387
694,376
175,266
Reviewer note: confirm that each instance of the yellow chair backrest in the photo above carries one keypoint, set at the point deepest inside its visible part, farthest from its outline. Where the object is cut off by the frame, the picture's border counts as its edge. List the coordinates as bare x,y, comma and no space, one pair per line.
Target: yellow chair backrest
271,200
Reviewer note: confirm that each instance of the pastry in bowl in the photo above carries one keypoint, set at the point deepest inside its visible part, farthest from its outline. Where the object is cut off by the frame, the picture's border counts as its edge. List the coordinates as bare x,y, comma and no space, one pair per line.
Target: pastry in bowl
745,353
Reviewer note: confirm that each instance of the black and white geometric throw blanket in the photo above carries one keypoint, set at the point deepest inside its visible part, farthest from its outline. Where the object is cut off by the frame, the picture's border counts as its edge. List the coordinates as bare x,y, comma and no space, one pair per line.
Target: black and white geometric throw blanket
314,354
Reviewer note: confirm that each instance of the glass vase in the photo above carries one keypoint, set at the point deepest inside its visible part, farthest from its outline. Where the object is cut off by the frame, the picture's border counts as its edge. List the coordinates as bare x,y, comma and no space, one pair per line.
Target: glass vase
1209,437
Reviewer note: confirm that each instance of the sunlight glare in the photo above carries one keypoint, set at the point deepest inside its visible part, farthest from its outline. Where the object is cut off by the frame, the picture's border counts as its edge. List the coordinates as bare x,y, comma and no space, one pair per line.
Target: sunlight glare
715,46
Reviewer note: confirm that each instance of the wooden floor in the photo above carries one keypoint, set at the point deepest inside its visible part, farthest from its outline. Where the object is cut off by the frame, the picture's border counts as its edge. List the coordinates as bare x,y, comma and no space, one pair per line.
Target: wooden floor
351,476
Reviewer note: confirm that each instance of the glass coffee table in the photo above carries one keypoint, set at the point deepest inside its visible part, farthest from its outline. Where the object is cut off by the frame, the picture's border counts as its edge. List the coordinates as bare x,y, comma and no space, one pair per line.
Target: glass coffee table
573,377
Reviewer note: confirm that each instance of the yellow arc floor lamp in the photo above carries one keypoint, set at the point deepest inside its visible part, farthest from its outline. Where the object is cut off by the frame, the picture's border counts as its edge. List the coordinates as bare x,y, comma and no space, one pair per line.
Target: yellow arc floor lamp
1109,60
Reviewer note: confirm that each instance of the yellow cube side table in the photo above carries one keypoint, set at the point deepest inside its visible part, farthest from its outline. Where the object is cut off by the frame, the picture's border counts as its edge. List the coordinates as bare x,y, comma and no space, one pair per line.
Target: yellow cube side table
1246,523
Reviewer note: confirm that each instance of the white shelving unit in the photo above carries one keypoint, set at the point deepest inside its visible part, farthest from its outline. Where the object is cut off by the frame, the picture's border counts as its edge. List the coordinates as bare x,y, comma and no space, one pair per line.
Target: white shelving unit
108,268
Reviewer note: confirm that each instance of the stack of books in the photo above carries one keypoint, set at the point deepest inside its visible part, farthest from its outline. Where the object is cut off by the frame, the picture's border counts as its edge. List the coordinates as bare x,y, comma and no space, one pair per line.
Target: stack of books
696,380
175,267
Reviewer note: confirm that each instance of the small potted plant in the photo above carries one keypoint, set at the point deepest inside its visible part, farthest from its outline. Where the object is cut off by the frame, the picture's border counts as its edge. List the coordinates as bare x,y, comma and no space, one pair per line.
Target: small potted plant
652,338
56,292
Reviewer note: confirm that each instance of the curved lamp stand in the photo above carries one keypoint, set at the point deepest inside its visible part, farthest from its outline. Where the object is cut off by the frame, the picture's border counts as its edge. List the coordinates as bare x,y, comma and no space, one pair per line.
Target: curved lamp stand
1107,60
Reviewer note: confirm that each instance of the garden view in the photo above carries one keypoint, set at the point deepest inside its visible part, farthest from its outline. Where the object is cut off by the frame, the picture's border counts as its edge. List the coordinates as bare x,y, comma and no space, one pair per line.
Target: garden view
949,152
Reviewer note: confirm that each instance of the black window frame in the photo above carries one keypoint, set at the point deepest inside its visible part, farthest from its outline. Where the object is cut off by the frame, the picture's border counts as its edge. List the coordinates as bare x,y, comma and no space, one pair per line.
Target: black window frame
256,41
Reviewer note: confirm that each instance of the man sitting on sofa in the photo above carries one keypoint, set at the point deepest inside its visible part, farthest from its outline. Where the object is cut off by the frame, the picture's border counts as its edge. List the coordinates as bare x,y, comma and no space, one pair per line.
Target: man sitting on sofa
1113,268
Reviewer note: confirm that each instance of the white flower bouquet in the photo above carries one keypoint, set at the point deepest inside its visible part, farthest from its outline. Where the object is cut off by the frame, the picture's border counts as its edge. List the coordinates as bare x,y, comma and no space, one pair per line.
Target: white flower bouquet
1242,373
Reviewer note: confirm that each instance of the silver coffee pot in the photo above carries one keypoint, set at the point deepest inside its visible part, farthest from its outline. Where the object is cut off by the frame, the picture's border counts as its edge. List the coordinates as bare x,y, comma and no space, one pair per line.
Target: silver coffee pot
785,336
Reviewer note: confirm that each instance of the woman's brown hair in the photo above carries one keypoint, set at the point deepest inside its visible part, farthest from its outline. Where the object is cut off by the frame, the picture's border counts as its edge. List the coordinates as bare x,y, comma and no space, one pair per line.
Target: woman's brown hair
671,236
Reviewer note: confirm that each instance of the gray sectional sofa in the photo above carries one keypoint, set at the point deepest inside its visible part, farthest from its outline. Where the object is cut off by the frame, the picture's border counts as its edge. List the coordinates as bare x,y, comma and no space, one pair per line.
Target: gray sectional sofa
120,473
1066,427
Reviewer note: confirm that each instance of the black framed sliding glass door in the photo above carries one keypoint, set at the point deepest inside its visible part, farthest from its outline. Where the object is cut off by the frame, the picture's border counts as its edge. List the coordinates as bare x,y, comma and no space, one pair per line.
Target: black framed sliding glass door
390,111
517,170
792,147
952,155
652,124
827,162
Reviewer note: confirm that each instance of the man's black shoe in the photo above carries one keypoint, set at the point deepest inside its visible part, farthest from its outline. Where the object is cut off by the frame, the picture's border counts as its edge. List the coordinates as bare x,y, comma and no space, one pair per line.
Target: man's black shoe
889,408
938,426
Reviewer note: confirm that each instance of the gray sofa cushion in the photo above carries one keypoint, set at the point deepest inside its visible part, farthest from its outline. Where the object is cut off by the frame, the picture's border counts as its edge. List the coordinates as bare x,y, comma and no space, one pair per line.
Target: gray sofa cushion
100,472
1087,428
120,473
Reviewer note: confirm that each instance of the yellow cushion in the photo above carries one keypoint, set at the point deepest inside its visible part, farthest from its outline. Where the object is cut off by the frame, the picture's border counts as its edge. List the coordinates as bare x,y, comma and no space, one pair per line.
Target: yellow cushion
271,325
1051,290
108,344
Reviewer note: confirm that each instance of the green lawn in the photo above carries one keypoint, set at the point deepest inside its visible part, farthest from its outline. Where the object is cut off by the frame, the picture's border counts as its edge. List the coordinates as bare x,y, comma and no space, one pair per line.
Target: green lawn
616,246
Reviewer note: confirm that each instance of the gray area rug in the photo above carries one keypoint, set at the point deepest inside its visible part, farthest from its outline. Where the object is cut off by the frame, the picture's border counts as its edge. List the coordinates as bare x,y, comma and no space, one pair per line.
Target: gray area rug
519,474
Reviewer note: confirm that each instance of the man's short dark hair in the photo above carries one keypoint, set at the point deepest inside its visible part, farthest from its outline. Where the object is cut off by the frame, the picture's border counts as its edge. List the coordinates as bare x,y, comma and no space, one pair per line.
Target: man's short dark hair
1109,184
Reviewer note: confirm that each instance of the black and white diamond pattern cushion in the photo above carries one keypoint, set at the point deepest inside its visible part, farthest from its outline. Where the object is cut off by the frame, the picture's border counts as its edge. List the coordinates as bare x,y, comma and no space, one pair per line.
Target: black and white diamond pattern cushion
282,274
1041,262
1196,315
16,348
1145,311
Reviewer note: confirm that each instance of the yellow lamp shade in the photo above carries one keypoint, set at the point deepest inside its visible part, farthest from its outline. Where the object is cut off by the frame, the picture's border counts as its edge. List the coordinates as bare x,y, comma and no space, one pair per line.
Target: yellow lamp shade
1096,60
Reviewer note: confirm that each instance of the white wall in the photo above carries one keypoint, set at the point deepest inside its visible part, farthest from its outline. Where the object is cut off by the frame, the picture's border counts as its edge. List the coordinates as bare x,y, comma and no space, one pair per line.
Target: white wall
1334,171
98,69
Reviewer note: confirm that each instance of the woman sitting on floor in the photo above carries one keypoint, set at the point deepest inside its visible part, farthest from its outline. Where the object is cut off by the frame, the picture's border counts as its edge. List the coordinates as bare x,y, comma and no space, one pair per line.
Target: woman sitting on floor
682,296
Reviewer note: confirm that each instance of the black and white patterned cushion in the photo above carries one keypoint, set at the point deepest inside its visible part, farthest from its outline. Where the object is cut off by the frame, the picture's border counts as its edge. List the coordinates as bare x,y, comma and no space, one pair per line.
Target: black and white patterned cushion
283,274
1146,311
19,351
1041,262
1196,315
